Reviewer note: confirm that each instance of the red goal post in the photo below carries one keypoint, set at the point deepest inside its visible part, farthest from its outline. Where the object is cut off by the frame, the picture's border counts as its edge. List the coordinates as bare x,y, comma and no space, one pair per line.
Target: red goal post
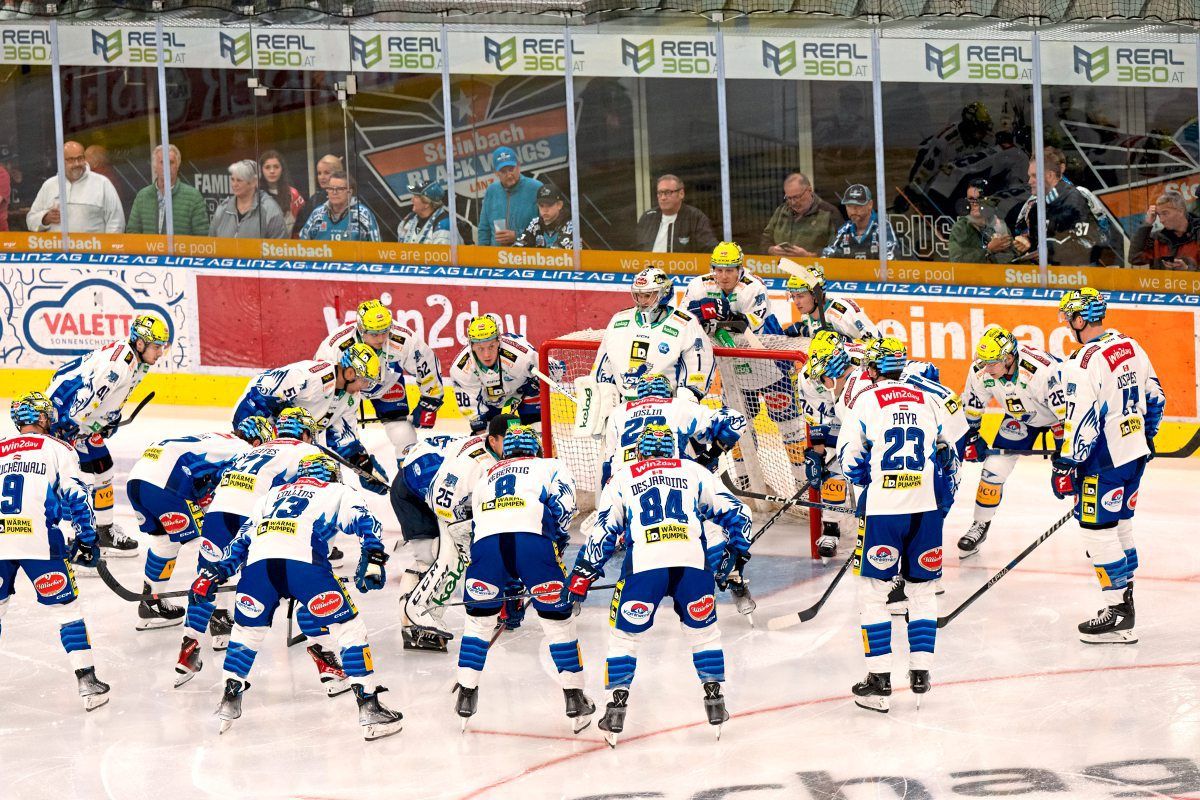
769,458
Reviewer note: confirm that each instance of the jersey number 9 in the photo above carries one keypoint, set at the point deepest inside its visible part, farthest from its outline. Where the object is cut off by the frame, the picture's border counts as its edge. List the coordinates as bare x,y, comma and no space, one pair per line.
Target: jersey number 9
11,493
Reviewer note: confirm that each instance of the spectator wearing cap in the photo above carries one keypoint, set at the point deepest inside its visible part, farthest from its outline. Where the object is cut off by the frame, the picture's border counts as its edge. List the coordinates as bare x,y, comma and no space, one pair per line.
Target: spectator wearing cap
552,226
510,202
857,238
249,213
674,226
979,235
92,203
341,218
149,211
1170,236
803,224
429,221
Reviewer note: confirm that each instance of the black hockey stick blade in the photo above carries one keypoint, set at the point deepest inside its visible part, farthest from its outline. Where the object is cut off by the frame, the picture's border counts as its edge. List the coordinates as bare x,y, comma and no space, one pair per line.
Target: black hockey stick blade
293,639
136,410
1187,450
125,593
795,618
946,620
370,475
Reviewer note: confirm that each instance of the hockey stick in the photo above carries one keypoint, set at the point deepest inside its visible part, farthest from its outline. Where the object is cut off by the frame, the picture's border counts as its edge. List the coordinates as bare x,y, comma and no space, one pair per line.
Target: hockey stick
136,410
291,613
523,596
788,503
370,475
555,385
774,498
946,620
797,617
125,593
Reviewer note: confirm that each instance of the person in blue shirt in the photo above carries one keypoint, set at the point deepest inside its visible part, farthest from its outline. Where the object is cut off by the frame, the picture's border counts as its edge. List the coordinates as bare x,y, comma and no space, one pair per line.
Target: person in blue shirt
509,204
857,238
341,218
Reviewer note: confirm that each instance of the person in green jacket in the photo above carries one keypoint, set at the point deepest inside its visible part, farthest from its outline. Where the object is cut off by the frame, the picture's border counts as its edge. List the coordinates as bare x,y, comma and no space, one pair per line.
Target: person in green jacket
980,236
188,209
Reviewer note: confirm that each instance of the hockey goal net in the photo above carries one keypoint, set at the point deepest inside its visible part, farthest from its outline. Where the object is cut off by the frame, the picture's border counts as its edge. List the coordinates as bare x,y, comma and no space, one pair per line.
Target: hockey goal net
760,383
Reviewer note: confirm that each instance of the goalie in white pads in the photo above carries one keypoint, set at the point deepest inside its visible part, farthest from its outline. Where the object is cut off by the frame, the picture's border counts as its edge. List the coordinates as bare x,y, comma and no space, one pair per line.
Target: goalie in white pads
282,551
43,487
1026,383
655,506
88,394
820,311
401,353
521,510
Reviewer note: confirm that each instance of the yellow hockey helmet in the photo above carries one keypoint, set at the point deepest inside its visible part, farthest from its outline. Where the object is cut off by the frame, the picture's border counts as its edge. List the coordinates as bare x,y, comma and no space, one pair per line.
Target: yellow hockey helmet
364,360
482,329
803,279
149,329
29,407
995,345
827,356
727,255
294,421
373,317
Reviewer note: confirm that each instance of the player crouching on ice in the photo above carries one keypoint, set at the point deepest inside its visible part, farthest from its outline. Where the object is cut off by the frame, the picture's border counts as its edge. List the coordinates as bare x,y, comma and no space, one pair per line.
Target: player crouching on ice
521,510
42,488
283,552
656,506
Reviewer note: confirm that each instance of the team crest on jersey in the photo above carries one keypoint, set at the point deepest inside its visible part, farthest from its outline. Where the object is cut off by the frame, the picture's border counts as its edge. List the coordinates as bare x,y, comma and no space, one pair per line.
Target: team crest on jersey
931,559
637,611
325,603
51,584
174,522
703,608
549,592
249,606
210,551
664,348
881,556
482,590
1113,500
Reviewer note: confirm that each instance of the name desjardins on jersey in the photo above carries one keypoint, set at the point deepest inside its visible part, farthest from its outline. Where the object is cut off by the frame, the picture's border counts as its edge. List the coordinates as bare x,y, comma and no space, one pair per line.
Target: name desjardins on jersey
659,480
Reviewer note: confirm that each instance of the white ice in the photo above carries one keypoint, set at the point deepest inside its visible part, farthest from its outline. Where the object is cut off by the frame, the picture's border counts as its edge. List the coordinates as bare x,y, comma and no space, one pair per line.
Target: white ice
1019,706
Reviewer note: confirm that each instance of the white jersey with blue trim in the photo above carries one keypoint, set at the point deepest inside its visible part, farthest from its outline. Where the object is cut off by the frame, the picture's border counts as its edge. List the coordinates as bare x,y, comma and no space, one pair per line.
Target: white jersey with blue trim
657,507
40,486
689,420
478,388
1113,401
173,464
949,406
749,298
404,353
823,409
843,315
1034,394
297,520
255,472
890,432
312,385
91,390
674,347
524,495
420,461
464,463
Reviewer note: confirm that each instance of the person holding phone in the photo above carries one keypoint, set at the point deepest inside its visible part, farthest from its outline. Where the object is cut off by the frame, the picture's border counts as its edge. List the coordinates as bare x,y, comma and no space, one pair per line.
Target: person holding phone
979,235
803,224
1169,238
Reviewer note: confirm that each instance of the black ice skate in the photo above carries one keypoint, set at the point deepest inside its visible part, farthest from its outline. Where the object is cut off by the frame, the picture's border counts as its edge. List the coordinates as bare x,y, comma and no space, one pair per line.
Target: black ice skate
467,703
336,557
897,600
968,545
827,542
189,662
873,692
376,719
579,708
1111,625
157,613
220,626
739,587
231,703
115,543
613,721
329,670
918,681
93,690
419,637
714,705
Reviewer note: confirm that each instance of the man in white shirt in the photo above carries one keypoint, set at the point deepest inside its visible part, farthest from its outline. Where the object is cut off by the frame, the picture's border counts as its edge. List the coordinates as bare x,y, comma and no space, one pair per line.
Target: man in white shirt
674,226
92,202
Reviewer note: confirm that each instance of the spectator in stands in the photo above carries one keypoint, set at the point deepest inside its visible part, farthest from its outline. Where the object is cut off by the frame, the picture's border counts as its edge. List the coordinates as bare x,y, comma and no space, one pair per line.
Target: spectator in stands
328,165
979,235
1078,236
674,226
803,224
149,210
250,213
341,218
857,238
275,181
92,202
1170,236
6,158
429,221
552,226
509,203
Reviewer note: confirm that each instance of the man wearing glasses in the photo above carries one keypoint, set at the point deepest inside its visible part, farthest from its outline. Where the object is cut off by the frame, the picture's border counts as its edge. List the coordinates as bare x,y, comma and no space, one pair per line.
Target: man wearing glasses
803,224
341,218
92,202
674,227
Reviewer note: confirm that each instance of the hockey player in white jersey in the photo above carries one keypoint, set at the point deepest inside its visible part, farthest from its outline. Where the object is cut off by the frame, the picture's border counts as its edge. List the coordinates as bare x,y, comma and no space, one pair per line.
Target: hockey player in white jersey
654,338
494,372
820,310
1025,382
730,294
521,510
40,487
88,394
1114,405
891,447
168,488
655,507
329,391
282,551
402,354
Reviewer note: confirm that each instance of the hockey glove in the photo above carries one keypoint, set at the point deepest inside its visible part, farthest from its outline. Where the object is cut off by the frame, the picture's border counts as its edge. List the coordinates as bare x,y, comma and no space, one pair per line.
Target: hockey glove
65,429
425,414
1150,444
109,430
814,467
976,449
796,329
731,561
709,309
371,573
369,464
1064,477
85,552
205,585
478,424
582,578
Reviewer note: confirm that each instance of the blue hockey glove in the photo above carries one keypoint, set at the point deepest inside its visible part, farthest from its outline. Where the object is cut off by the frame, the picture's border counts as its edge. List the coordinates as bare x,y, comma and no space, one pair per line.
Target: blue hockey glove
425,414
205,585
708,309
85,551
1064,477
731,561
814,467
371,574
796,329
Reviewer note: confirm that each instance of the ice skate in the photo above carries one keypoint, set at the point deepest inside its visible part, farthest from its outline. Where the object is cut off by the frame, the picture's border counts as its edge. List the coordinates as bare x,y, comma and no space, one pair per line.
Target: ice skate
189,662
613,721
1111,625
873,692
93,690
918,681
467,703
739,587
337,558
154,614
115,543
419,637
827,542
976,535
714,705
329,670
579,709
376,719
220,625
231,703
897,600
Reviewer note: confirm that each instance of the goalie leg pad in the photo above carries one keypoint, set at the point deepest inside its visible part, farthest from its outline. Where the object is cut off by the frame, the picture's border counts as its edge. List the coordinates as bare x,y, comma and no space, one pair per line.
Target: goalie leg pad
438,585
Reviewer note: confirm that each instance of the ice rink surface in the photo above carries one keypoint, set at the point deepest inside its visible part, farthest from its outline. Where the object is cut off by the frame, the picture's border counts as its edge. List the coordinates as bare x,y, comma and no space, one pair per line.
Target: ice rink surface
1019,706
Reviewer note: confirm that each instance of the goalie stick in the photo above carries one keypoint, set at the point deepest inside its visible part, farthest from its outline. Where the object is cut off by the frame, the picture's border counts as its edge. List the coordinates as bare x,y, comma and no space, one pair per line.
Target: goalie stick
553,384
